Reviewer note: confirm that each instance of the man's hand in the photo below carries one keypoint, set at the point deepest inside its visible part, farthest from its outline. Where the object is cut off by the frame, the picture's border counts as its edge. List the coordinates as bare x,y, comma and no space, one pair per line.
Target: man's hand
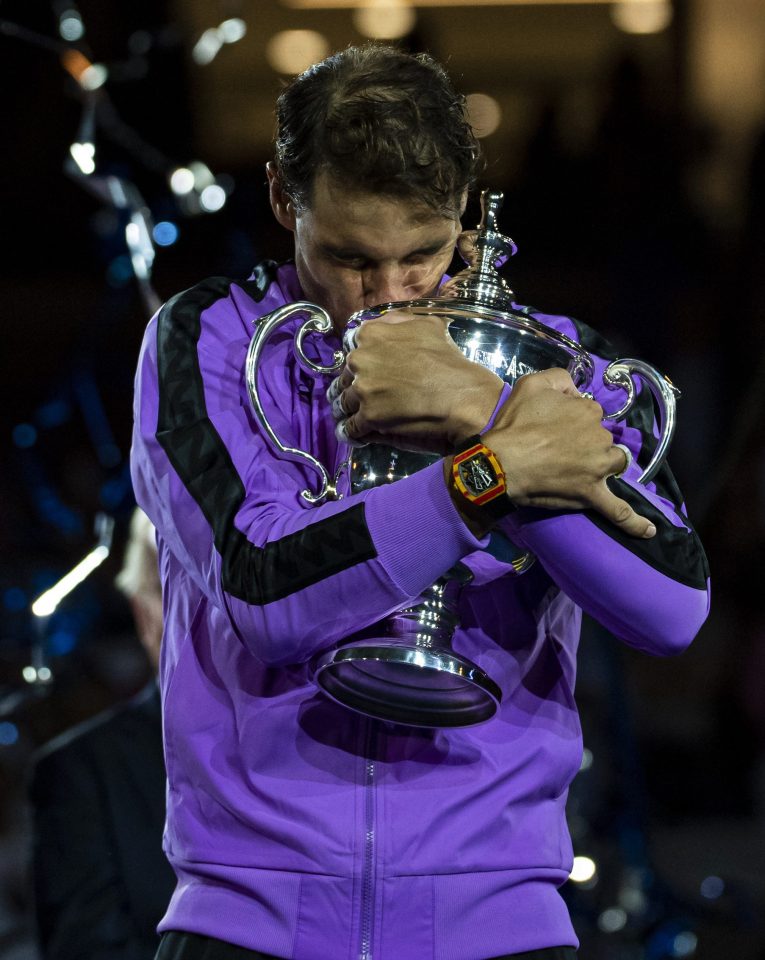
407,384
557,454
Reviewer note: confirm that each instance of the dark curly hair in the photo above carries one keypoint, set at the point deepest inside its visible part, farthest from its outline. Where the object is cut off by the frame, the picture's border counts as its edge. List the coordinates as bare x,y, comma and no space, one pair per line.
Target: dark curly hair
379,120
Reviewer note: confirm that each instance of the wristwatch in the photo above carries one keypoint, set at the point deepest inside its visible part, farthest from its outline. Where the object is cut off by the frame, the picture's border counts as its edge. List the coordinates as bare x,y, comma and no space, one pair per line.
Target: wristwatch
478,476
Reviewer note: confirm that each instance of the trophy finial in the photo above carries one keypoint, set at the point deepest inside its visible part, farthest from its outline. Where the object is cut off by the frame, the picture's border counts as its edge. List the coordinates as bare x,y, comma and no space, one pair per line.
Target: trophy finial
491,204
481,249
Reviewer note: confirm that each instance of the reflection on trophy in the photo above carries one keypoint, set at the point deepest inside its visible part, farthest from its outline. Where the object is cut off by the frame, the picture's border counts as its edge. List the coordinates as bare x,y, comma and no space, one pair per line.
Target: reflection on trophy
405,668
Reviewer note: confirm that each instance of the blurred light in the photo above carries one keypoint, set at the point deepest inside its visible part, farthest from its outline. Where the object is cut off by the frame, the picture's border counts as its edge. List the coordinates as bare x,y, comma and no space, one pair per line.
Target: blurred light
612,920
712,887
70,26
114,491
90,76
140,42
233,30
583,870
47,602
53,414
684,944
83,155
94,76
351,4
484,113
642,16
14,599
165,233
203,175
61,642
206,48
24,435
140,246
37,674
181,181
119,272
75,63
385,19
212,198
586,759
132,234
292,51
633,899
9,733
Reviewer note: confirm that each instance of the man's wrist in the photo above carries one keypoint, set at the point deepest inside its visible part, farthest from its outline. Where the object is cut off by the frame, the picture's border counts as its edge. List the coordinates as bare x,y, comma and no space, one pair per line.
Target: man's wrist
477,485
476,410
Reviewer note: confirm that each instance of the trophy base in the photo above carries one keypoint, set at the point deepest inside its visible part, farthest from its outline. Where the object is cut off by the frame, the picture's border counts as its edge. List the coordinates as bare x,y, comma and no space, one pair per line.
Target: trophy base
408,684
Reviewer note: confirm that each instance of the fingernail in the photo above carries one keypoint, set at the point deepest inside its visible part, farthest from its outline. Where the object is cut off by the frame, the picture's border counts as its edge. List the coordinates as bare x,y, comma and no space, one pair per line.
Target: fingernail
649,532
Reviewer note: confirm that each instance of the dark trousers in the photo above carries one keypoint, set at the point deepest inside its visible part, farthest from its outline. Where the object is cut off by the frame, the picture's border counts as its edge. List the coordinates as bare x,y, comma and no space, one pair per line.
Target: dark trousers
190,946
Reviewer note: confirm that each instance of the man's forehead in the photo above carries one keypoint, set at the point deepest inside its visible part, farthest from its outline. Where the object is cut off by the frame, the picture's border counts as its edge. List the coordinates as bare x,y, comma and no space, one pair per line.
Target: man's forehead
330,193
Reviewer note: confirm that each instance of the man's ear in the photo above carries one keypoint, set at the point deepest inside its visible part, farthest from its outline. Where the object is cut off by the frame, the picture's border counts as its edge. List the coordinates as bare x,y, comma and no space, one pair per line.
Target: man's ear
282,206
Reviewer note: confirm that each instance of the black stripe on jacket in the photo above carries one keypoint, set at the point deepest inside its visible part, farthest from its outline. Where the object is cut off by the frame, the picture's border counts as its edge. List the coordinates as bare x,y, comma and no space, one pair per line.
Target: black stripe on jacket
256,575
674,551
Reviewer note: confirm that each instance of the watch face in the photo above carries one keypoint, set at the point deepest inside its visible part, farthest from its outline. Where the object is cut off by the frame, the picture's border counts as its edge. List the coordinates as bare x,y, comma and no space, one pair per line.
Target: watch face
478,475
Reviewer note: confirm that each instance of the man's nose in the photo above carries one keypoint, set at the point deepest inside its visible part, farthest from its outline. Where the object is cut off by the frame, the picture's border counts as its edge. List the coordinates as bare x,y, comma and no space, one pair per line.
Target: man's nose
386,283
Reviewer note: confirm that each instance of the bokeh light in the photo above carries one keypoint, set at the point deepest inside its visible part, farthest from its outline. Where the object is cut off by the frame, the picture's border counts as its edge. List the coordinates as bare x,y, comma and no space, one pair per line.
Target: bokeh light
484,114
583,870
385,19
642,16
165,233
293,51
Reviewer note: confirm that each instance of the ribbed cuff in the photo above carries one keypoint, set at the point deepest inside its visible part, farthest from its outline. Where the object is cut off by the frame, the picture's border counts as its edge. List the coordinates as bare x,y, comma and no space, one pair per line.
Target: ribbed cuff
417,530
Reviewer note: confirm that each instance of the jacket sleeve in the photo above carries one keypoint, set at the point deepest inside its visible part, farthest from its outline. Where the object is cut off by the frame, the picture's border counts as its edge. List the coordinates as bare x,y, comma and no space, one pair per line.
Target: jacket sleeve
289,578
653,594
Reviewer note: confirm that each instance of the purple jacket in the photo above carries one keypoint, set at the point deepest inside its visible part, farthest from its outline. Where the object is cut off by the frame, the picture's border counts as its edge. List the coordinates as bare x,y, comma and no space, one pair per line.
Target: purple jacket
295,826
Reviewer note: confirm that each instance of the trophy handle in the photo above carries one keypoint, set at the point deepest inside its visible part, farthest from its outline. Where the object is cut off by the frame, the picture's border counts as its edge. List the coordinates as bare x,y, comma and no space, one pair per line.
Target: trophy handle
318,321
617,375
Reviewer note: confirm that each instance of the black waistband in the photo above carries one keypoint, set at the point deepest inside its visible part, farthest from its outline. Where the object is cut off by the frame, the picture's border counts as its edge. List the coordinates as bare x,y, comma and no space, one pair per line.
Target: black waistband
191,946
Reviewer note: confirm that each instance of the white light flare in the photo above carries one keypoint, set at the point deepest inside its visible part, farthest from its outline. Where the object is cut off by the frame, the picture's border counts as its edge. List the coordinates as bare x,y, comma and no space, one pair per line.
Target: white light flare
48,601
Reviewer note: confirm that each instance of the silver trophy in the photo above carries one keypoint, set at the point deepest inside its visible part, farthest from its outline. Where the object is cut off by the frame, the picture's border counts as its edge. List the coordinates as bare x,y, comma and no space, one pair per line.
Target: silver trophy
405,669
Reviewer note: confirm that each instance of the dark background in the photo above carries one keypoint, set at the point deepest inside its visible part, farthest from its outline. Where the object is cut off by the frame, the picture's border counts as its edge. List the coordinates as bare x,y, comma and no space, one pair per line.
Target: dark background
638,203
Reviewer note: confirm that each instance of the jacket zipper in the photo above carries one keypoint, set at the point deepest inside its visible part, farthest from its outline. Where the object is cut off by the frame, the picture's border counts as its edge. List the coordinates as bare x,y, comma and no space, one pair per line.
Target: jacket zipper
370,840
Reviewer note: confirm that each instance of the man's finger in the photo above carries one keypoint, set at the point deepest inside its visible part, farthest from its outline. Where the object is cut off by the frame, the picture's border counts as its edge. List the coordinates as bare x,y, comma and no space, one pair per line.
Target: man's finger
621,514
624,451
346,431
345,403
340,383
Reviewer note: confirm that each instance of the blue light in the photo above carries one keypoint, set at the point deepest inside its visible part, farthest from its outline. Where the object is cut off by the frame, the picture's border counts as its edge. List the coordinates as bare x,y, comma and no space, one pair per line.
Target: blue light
9,734
684,944
53,414
165,233
712,888
119,272
14,599
113,492
62,642
24,435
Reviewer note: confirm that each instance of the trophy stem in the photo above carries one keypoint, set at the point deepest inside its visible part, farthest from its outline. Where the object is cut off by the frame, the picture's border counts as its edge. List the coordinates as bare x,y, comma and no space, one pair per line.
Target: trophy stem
410,674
